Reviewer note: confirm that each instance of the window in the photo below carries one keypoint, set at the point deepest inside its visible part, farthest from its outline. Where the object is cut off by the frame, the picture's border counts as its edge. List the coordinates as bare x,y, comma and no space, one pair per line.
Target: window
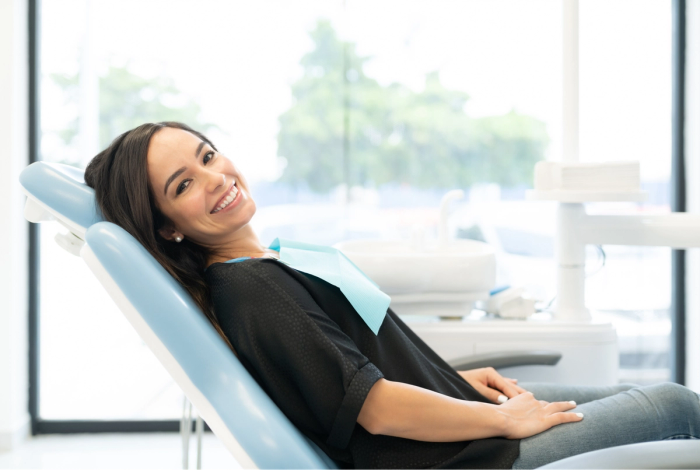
625,114
350,119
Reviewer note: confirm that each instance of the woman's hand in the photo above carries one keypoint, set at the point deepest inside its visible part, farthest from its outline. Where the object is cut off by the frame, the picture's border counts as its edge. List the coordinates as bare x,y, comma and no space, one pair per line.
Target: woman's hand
527,416
491,384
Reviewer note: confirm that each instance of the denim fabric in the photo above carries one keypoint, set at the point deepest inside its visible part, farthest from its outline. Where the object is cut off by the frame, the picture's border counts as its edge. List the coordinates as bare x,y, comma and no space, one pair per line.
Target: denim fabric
612,416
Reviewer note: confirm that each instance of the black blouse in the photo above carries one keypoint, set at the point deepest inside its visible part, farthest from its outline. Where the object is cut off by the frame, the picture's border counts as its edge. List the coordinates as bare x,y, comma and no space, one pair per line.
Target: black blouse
307,347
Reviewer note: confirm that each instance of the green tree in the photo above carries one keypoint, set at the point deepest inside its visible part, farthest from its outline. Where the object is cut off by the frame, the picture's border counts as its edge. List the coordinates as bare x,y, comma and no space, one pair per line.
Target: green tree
127,100
312,132
424,139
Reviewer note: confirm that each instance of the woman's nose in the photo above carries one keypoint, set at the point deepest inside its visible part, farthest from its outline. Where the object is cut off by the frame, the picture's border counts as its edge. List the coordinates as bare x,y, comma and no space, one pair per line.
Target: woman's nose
216,180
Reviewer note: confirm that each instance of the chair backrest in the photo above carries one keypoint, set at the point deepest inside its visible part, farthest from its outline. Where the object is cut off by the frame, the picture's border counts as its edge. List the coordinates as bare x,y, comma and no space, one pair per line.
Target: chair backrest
238,411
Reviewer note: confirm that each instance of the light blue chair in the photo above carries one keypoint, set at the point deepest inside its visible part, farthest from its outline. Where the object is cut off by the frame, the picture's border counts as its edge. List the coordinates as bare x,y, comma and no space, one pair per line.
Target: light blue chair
234,406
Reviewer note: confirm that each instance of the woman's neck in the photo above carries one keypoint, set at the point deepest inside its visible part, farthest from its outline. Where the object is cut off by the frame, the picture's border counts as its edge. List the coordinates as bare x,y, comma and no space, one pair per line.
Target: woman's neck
243,243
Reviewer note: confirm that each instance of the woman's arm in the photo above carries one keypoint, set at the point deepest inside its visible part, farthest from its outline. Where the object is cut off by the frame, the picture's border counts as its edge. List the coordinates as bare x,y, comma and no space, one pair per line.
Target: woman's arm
402,410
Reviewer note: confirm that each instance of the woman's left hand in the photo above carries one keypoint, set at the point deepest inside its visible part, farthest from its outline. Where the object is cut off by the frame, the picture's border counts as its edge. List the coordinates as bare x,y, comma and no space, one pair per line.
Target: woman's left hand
491,384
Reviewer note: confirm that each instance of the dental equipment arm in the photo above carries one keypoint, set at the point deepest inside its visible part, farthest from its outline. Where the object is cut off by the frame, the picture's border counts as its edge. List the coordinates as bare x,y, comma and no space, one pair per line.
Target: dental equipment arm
573,184
576,229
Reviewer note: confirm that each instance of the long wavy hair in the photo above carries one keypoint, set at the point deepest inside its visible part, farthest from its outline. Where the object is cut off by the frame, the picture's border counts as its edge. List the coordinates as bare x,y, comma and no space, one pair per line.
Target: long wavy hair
119,176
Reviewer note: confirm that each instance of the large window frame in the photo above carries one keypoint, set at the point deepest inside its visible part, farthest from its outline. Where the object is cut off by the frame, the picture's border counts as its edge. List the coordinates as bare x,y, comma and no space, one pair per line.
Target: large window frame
678,188
42,426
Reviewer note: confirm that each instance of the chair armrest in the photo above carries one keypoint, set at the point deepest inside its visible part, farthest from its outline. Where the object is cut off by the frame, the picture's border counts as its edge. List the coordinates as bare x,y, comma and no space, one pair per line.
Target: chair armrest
675,453
505,359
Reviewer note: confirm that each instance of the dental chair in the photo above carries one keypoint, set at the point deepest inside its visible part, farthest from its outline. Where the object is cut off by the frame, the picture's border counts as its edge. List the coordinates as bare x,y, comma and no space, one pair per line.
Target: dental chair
224,394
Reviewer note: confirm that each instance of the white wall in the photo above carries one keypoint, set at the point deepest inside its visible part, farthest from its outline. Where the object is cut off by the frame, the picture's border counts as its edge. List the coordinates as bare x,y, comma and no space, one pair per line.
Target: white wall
14,417
692,151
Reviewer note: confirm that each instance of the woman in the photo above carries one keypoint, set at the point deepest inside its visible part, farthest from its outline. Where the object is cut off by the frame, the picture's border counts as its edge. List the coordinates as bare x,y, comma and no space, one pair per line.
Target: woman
368,400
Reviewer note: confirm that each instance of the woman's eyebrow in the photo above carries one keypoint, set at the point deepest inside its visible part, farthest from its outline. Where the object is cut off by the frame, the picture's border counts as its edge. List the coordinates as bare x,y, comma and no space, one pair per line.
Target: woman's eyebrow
199,149
179,172
172,177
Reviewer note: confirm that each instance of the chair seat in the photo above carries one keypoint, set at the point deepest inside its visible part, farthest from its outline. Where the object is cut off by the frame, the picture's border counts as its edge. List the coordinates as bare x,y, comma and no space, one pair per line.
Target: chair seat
675,453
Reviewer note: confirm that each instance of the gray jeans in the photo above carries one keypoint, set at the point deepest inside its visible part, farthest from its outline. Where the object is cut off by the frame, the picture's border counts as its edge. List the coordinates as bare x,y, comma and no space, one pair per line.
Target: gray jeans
612,416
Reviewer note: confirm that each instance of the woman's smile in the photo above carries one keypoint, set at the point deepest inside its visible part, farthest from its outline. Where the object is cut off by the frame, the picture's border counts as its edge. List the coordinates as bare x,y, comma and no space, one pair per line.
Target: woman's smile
229,199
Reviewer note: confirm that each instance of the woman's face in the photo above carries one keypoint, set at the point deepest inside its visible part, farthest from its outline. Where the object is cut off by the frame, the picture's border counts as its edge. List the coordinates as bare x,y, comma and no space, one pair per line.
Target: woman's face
197,188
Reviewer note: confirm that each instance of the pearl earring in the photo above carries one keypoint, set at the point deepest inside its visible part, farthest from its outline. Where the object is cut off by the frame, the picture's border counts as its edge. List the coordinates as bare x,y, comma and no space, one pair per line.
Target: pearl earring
178,239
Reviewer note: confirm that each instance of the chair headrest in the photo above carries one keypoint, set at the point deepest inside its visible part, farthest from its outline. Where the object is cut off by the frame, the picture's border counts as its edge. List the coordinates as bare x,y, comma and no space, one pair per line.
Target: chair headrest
58,191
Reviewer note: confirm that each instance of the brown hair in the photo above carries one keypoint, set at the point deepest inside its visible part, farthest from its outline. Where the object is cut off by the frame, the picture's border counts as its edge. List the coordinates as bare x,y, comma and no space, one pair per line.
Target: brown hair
119,176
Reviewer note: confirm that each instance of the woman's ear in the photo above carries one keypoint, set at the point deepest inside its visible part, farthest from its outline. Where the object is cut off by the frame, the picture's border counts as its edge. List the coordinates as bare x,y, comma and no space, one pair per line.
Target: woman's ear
171,234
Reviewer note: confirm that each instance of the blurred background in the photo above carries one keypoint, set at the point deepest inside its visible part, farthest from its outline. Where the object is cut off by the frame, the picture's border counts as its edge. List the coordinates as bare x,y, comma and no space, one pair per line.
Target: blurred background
351,119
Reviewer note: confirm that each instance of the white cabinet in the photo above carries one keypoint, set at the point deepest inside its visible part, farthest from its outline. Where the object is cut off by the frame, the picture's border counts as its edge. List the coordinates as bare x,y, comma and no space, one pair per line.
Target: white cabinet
589,351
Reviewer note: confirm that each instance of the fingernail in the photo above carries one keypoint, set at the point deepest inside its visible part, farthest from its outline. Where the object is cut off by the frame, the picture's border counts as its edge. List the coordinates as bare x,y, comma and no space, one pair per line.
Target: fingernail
573,402
502,398
580,415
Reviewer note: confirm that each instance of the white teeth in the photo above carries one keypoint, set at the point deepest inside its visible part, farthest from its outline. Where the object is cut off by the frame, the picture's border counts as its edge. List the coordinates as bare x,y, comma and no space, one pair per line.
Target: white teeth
231,196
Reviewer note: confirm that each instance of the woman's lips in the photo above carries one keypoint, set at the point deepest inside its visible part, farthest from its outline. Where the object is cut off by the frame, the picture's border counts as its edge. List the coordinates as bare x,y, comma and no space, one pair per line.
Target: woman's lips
224,196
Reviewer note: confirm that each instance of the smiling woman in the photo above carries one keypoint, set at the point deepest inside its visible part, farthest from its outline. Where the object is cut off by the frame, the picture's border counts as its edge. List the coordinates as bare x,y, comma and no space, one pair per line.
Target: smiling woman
205,198
177,224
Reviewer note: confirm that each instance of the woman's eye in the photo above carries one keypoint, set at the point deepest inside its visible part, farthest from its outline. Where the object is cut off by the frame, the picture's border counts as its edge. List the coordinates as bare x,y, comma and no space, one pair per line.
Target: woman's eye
207,157
182,186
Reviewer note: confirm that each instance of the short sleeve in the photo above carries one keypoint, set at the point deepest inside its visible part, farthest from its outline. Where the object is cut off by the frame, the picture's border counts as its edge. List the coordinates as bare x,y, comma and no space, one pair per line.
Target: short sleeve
311,369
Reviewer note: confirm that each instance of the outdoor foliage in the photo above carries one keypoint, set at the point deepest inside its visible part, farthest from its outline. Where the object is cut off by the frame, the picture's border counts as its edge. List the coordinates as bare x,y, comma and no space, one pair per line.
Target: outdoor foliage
344,127
127,100
393,134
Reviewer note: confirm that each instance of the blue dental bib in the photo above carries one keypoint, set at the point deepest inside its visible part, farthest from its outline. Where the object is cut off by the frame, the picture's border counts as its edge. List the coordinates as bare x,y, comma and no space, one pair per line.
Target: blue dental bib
331,265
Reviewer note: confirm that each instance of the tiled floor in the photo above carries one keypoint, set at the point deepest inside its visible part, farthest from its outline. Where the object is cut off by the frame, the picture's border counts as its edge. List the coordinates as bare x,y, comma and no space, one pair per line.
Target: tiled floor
112,451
